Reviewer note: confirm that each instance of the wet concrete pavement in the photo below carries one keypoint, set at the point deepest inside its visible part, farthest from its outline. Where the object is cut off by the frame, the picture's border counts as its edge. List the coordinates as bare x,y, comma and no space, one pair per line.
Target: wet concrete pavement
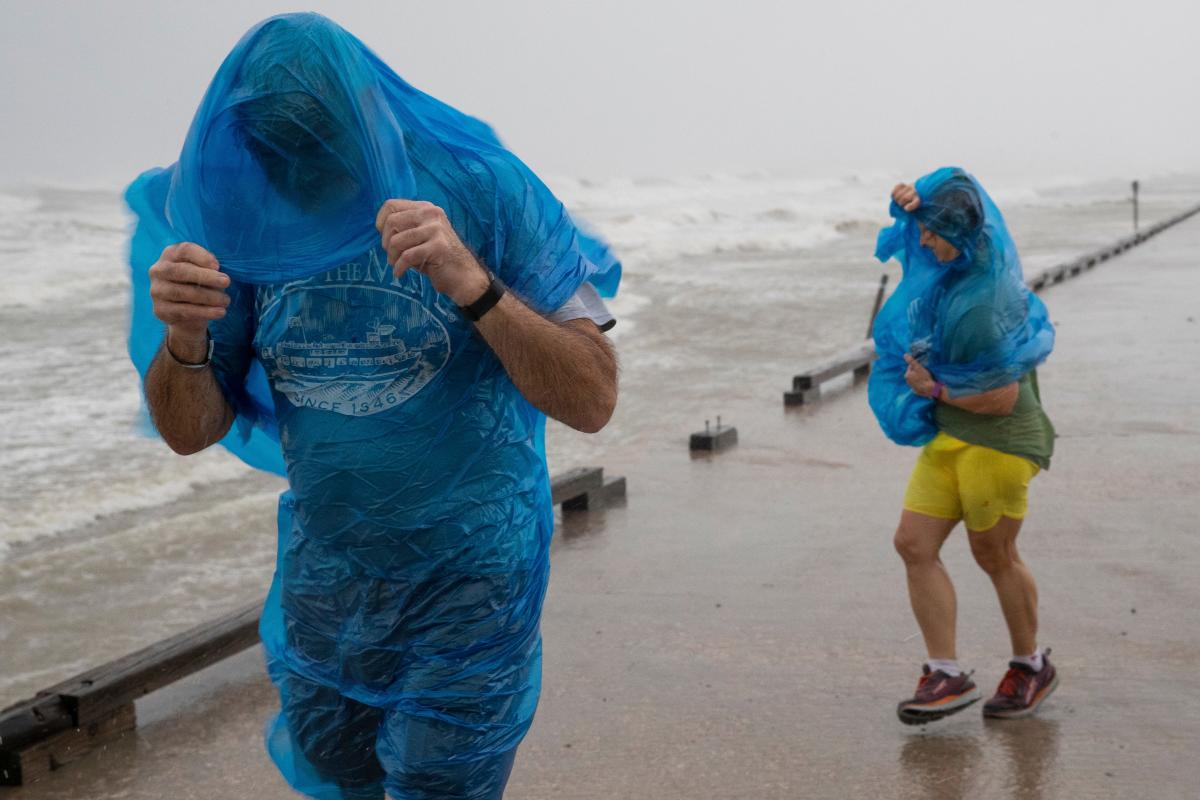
741,630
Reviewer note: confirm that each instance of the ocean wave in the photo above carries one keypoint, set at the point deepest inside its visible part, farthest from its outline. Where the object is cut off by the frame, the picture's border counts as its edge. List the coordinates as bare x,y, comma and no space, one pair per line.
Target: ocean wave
79,236
116,492
18,204
39,277
60,245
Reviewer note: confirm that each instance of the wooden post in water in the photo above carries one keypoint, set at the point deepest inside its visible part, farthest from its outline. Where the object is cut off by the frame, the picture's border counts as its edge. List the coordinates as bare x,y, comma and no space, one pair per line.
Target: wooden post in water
878,305
1135,206
713,441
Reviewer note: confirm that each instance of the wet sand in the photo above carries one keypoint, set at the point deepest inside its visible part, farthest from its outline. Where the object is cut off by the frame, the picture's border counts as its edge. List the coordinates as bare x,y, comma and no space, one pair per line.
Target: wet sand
740,629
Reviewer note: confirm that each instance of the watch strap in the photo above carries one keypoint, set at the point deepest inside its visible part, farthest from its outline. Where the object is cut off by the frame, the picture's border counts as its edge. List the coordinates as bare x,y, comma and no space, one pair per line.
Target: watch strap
191,364
486,302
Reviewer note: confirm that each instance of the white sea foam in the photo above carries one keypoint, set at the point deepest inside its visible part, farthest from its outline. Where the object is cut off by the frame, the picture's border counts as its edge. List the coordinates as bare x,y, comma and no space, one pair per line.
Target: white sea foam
650,221
625,307
81,499
17,203
69,412
60,246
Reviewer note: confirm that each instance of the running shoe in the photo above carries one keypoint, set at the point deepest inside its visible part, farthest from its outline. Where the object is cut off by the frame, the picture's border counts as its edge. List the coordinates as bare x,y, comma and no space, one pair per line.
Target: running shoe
938,695
1022,690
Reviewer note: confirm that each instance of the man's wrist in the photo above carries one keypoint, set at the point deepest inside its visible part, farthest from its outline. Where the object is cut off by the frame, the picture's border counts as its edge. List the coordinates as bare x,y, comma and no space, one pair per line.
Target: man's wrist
188,349
489,299
473,286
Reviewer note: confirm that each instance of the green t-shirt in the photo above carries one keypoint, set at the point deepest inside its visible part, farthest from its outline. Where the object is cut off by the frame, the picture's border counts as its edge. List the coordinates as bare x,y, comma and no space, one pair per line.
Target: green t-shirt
1027,432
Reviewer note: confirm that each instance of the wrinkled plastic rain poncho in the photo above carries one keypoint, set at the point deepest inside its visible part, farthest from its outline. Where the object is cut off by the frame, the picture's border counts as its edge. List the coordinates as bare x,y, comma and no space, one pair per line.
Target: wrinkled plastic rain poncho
980,295
403,621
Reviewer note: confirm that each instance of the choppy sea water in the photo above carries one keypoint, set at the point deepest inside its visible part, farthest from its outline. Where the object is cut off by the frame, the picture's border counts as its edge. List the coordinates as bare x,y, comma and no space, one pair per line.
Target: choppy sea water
109,541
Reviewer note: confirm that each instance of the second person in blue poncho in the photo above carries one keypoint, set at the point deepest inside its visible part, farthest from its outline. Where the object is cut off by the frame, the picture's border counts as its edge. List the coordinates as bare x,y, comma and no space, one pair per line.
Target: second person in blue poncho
958,344
331,263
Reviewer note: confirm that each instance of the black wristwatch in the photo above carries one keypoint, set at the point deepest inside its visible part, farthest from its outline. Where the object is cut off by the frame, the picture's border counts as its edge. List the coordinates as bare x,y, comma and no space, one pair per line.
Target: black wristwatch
487,300
190,364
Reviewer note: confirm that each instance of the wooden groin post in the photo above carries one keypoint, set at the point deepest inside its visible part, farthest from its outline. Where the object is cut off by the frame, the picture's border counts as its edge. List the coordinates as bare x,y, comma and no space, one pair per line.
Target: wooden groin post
713,441
878,304
585,488
1135,206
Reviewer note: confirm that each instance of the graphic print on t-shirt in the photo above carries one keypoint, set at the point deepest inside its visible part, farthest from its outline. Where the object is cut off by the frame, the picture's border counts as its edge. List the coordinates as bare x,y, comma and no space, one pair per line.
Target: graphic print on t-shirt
354,341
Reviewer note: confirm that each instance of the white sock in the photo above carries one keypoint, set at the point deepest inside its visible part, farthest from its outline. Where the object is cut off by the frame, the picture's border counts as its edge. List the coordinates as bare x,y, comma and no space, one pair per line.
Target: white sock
946,665
1034,661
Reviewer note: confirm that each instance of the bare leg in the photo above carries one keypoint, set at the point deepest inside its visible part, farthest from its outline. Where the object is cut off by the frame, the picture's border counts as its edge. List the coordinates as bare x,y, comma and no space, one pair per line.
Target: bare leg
995,551
919,541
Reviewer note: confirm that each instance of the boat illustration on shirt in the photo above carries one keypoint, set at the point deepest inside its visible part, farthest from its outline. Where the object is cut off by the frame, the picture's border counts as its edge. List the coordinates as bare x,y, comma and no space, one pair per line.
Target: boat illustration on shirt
350,349
379,350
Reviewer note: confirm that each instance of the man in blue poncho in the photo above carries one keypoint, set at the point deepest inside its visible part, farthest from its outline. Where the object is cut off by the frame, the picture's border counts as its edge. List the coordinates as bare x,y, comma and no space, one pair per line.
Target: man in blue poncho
958,343
362,288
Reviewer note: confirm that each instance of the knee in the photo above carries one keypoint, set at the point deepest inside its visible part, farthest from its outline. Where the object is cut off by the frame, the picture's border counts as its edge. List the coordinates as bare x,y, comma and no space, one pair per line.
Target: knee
913,549
992,557
335,735
431,759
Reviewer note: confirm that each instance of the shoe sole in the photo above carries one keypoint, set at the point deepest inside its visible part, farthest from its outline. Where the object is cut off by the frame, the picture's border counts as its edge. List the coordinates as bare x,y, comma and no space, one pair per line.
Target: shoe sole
1018,713
919,715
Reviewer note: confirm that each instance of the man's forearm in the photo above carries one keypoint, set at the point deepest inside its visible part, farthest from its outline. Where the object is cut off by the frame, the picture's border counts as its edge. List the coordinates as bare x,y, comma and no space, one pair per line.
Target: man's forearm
187,405
568,371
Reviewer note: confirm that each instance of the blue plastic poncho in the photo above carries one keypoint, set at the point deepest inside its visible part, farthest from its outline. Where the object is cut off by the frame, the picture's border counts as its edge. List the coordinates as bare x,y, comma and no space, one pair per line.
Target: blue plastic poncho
402,626
979,296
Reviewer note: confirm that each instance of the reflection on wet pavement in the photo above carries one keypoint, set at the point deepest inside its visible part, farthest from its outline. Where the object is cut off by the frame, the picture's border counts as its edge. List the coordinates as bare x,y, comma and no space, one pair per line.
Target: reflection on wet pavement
1002,759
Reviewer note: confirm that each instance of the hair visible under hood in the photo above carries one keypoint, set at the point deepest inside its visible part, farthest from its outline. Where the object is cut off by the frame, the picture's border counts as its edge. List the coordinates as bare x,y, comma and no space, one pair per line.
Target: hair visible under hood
929,305
954,211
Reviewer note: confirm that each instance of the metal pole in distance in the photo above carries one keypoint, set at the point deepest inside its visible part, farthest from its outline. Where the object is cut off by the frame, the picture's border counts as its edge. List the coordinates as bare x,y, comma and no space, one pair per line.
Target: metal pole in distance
1135,206
878,304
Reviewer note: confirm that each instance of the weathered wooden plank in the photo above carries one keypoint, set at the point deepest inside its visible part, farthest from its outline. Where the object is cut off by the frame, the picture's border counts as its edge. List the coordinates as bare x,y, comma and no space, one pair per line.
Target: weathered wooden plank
31,720
575,482
847,361
802,396
38,759
580,502
1060,272
10,768
95,694
613,490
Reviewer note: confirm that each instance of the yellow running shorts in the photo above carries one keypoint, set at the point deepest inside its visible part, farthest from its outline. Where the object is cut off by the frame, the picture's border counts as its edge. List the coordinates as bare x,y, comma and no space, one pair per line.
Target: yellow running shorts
956,480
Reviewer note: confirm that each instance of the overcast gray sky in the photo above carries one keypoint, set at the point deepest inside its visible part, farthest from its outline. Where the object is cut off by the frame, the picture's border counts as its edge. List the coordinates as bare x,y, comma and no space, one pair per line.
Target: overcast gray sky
91,93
